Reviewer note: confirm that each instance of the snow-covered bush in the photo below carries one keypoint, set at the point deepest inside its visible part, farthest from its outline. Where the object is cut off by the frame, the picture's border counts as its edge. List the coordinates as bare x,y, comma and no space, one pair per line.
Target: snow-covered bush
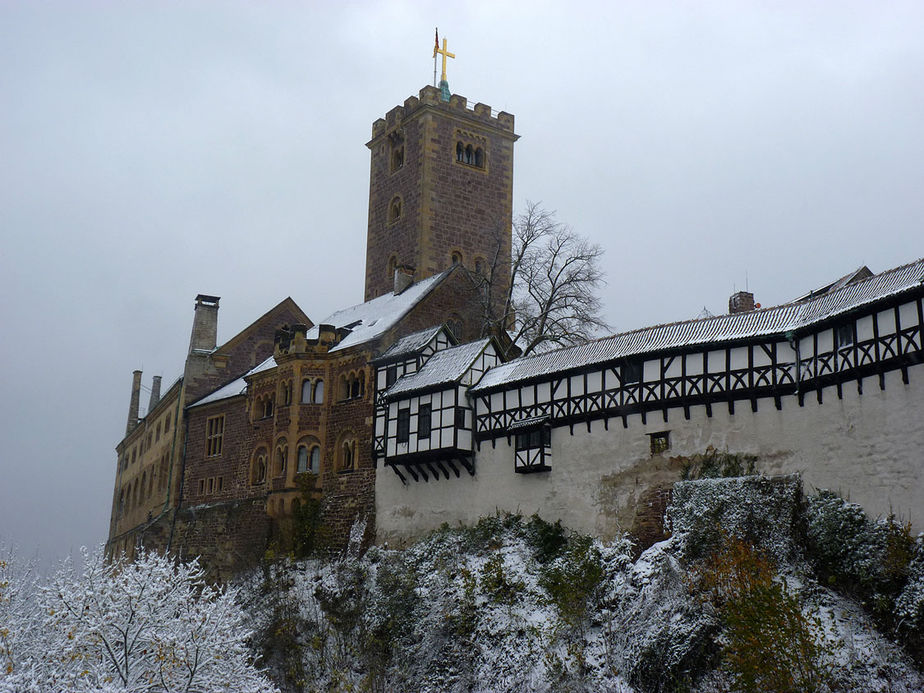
865,558
761,510
148,625
20,618
909,607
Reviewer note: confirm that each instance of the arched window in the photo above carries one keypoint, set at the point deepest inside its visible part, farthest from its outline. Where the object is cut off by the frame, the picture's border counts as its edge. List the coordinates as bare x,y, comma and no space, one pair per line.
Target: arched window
456,258
460,152
314,460
122,501
397,158
479,266
479,157
455,325
302,459
296,504
258,467
318,392
162,475
281,458
306,391
285,392
394,209
135,495
469,154
392,266
348,455
344,387
167,423
355,388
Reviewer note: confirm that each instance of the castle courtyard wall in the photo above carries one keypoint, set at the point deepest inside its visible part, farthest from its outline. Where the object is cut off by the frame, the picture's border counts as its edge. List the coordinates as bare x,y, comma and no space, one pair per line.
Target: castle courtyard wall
870,447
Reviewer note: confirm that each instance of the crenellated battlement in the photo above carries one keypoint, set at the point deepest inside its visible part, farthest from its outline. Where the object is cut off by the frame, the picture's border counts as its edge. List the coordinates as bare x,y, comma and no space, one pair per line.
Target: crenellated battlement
430,97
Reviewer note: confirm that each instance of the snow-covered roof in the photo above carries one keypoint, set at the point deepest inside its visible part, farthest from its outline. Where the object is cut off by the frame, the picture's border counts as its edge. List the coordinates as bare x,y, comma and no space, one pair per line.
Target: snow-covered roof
411,344
723,328
232,389
235,387
444,367
372,319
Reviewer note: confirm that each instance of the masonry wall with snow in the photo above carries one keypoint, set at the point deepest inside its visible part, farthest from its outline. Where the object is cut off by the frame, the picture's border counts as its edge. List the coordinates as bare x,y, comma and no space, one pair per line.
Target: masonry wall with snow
830,388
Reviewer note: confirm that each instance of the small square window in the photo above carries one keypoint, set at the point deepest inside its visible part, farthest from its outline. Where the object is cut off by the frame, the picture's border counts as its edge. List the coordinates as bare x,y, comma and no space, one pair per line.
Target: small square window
631,371
843,336
660,442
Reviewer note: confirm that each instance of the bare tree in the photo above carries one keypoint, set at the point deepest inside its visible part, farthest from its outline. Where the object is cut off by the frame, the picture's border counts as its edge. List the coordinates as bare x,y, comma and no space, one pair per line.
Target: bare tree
555,273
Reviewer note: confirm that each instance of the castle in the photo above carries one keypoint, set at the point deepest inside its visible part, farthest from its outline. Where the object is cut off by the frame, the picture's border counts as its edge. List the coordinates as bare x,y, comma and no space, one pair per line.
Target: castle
399,413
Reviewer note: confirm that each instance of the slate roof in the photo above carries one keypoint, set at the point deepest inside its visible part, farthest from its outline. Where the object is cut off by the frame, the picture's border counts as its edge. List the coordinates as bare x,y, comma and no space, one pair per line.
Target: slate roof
443,368
723,328
372,319
366,322
411,344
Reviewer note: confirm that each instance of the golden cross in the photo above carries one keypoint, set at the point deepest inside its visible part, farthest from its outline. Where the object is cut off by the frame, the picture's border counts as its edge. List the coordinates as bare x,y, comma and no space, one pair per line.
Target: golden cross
446,54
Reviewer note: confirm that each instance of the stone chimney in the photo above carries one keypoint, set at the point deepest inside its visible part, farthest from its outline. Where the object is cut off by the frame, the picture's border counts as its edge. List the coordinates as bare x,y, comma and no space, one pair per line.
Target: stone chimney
404,277
155,393
204,336
741,302
134,403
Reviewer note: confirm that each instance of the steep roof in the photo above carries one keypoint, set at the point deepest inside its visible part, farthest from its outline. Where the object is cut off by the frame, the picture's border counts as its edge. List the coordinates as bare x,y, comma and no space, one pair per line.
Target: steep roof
443,368
411,344
236,387
370,320
723,328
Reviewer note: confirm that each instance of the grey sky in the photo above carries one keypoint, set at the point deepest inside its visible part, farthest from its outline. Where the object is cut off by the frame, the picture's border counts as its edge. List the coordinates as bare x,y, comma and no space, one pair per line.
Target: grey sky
152,151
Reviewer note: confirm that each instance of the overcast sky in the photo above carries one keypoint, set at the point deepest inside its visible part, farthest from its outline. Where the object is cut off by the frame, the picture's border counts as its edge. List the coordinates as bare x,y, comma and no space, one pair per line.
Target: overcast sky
153,151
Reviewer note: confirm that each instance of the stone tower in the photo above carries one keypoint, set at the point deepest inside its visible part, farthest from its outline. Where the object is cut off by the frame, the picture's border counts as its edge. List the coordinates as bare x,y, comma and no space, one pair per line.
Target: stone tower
440,190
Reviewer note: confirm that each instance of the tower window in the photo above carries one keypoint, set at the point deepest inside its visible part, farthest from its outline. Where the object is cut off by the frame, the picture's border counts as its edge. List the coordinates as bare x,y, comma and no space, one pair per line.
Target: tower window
470,154
397,158
394,209
457,258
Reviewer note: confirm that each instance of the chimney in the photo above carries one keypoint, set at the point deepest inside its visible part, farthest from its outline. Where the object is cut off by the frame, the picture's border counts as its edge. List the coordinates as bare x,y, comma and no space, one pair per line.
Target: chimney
133,404
741,302
205,324
155,393
404,277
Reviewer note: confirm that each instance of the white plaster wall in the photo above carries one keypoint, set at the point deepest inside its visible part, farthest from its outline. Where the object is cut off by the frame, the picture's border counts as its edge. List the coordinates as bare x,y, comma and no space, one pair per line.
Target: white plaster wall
869,447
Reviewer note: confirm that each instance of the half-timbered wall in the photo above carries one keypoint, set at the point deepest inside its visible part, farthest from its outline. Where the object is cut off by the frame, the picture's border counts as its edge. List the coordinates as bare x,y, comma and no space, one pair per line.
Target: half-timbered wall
839,401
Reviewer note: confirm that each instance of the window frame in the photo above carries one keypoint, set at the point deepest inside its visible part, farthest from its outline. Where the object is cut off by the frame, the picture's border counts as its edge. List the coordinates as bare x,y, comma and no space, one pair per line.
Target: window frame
214,434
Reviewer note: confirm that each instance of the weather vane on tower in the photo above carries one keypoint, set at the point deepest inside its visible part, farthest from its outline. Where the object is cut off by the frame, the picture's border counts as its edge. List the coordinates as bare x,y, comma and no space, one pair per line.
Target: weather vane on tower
444,51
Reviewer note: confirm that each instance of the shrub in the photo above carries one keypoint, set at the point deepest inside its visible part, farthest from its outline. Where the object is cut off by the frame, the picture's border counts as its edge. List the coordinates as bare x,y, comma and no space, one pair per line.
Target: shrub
714,464
770,644
764,511
546,539
866,559
571,581
498,584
